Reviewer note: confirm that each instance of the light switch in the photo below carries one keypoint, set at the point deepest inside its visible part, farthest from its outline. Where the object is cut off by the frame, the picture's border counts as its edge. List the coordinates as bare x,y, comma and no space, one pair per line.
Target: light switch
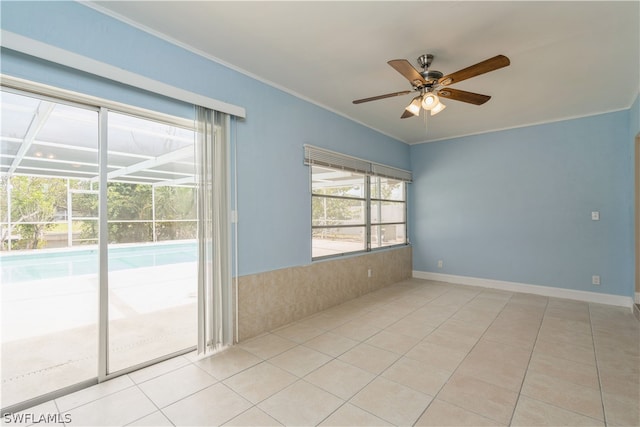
595,216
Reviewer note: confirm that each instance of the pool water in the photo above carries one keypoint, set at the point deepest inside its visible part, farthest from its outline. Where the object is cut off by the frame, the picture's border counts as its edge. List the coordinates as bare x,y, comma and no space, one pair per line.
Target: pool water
38,265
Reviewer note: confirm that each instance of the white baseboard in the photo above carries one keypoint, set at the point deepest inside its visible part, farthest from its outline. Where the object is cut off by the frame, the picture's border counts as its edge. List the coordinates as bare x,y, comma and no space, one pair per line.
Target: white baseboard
547,291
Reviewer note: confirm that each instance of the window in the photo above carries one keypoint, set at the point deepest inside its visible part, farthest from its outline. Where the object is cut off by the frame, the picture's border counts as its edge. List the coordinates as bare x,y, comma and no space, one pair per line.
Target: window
339,211
356,205
388,212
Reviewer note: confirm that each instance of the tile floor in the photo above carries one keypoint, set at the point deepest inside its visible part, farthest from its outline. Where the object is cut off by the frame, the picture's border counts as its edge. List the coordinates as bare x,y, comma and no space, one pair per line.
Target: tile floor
416,353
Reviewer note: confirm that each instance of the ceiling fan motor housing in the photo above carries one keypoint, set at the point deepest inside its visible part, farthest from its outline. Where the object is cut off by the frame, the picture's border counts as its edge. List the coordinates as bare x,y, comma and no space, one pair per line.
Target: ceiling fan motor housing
431,76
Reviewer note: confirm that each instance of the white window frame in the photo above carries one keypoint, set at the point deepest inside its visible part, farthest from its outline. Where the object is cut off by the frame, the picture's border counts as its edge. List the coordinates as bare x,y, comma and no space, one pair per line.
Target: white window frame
315,156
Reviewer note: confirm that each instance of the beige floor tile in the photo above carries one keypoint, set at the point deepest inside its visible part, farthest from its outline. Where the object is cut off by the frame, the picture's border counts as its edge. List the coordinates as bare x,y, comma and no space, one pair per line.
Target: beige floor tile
267,345
478,396
253,417
564,325
316,321
417,375
411,301
393,342
116,409
260,381
379,320
500,352
300,360
529,299
573,397
475,316
331,344
369,358
520,314
340,378
471,329
565,335
493,371
454,341
92,393
575,372
433,315
334,317
393,402
299,332
301,404
525,340
437,356
350,415
157,419
175,385
621,410
441,413
584,355
616,354
411,328
228,363
158,369
357,330
531,412
212,406
620,384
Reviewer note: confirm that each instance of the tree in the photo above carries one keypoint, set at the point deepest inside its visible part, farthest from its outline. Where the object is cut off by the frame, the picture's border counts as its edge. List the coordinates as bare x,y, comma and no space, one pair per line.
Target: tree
175,203
127,204
34,202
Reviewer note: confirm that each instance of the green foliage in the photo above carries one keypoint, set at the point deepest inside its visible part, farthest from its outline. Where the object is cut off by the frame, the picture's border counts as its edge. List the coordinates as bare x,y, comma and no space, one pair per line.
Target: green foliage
34,201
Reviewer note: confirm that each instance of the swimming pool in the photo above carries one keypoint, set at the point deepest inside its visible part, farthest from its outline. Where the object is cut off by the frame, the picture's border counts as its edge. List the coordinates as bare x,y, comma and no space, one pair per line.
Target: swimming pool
49,264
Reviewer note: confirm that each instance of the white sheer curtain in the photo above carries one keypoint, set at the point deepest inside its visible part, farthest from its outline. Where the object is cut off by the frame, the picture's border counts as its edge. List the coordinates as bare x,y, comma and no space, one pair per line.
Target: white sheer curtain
215,291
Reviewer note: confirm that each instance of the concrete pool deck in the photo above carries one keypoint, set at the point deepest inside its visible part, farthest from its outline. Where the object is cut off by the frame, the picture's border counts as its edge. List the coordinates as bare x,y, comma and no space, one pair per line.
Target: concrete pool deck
50,333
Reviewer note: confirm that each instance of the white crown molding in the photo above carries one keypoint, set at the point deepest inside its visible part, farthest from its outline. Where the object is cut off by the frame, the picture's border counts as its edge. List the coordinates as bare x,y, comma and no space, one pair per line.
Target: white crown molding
547,291
561,119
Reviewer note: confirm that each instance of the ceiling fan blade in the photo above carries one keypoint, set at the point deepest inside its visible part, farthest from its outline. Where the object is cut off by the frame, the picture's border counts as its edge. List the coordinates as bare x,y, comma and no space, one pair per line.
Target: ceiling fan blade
388,95
405,68
464,96
490,64
406,115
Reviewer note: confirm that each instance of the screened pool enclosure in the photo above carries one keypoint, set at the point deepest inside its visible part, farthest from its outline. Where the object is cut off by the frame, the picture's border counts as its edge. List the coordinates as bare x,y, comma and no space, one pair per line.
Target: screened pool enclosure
56,157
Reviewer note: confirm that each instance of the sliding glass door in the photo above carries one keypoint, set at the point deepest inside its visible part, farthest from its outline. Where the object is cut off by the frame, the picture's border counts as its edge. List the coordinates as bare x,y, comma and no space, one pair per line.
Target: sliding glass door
48,257
151,208
97,215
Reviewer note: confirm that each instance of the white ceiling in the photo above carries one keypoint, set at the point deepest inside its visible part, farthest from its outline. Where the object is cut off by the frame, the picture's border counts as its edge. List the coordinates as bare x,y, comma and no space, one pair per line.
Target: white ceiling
568,59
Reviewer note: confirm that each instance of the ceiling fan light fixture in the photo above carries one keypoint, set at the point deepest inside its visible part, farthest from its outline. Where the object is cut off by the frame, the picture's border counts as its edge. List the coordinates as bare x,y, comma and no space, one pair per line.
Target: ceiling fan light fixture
439,107
429,101
414,107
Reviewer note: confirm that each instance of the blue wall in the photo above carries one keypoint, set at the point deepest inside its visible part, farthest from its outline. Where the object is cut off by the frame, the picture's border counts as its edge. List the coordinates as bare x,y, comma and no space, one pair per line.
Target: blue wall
274,204
512,205
516,205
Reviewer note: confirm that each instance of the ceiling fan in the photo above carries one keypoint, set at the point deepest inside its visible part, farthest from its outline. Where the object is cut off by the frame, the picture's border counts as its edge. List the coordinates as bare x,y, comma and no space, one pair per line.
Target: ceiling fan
433,85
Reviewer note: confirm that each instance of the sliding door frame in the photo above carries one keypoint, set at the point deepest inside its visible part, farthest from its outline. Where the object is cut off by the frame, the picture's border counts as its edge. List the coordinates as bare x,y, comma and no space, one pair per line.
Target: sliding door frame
102,107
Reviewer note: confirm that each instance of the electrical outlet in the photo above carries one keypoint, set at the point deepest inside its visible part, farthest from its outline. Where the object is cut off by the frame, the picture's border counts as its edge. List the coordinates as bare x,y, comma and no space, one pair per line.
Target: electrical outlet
369,273
440,263
595,280
595,216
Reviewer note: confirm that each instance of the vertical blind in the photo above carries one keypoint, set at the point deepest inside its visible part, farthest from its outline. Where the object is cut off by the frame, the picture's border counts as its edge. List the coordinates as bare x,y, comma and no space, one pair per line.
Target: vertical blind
215,296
